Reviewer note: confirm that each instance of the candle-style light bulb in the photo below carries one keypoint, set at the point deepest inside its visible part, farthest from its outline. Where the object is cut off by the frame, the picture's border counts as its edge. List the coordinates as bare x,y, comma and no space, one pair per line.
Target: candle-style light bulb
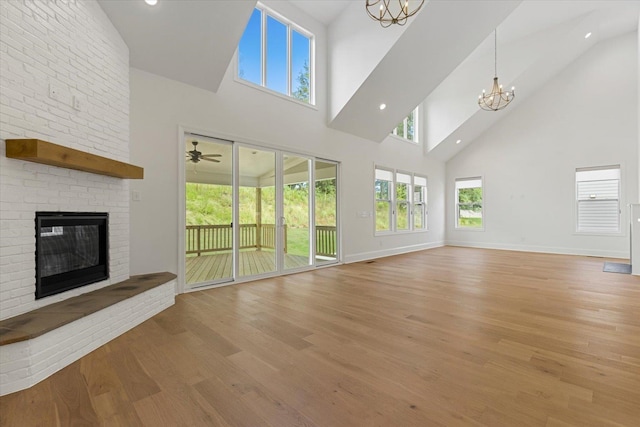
381,11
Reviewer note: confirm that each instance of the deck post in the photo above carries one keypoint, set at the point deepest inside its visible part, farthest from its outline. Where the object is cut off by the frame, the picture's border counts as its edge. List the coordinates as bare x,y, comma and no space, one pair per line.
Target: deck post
285,238
199,247
258,218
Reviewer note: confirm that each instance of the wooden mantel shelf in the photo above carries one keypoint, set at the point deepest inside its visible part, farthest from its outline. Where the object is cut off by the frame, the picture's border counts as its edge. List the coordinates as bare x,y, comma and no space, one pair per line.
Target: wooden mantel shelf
38,151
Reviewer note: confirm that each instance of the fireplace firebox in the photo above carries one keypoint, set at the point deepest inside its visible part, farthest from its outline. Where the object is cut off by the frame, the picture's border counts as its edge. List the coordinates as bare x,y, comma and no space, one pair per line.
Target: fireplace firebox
71,250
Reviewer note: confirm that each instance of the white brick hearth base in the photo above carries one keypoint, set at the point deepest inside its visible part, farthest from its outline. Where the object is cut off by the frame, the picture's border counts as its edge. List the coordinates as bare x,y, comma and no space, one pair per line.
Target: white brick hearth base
24,364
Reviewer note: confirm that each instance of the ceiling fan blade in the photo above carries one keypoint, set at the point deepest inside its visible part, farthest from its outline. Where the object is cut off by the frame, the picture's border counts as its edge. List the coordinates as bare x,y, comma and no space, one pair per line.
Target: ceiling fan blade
210,160
211,155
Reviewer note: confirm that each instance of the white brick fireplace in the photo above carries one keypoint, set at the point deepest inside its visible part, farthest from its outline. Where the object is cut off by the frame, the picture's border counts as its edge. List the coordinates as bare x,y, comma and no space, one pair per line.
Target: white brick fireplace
73,49
64,78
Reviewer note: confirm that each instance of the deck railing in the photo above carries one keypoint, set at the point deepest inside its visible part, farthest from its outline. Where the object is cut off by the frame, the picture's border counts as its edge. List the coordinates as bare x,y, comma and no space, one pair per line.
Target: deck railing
215,238
326,237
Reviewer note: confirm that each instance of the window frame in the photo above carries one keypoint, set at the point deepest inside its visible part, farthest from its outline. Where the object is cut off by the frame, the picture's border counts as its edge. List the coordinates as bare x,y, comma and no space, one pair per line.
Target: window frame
621,229
416,127
389,200
291,26
457,203
393,202
408,201
424,203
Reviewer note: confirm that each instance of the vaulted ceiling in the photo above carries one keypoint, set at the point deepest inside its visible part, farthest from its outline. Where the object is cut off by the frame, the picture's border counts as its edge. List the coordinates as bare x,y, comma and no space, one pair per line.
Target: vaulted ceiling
191,41
441,59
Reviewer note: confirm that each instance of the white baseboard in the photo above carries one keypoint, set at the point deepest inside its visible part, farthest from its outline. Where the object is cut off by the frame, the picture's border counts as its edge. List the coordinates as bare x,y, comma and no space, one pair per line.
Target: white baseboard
363,256
541,249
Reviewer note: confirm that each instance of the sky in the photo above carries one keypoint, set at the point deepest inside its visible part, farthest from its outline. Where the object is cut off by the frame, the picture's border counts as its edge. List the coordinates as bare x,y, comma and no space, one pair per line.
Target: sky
276,53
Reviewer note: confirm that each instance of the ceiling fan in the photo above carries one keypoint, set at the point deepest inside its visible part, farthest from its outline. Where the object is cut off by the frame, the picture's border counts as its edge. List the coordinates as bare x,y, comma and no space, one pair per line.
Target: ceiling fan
195,156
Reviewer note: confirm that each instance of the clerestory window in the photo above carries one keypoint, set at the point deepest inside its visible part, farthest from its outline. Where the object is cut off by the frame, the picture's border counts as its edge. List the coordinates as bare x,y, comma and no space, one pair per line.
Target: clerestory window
277,54
408,128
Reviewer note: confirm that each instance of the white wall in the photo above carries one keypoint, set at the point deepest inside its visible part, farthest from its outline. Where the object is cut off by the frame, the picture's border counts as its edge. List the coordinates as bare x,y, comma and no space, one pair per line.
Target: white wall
356,46
159,106
73,47
586,116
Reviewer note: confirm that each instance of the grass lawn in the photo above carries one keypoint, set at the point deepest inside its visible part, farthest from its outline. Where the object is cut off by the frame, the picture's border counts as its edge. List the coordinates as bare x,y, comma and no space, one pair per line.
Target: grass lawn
298,241
470,222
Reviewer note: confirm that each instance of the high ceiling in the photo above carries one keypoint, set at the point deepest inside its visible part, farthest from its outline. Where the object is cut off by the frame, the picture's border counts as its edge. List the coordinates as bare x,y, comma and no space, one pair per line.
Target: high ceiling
188,40
443,57
325,11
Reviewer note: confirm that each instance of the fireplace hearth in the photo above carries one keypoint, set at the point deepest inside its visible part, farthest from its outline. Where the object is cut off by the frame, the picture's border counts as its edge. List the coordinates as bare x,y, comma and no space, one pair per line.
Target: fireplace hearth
71,250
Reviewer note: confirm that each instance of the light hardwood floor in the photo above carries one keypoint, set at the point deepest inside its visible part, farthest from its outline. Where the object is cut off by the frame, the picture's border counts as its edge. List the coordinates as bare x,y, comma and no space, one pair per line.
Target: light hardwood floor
449,336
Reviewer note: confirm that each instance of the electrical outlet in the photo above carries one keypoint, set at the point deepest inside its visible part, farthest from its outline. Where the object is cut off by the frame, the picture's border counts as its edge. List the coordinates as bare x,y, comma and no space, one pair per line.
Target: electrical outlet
135,196
77,103
54,92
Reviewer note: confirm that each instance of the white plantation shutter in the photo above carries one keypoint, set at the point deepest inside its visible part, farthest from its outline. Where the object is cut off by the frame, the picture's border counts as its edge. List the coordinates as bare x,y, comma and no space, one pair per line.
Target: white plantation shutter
598,199
468,183
384,175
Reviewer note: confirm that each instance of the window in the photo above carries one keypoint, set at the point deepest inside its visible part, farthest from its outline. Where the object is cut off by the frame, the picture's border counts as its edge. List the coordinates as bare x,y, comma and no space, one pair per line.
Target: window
469,203
598,199
408,128
397,207
419,203
277,54
383,186
403,191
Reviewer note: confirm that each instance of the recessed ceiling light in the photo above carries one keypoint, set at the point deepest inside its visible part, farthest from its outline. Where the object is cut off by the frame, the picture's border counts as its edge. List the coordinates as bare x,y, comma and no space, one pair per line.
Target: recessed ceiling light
458,141
586,36
151,2
383,106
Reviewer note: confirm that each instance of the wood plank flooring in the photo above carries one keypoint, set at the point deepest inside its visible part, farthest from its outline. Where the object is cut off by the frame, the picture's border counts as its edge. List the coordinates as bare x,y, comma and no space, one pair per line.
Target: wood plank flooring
206,268
444,337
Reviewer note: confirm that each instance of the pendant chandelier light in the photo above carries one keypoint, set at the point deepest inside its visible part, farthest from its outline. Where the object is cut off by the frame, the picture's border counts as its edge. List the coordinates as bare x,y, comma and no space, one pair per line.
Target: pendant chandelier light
497,99
389,12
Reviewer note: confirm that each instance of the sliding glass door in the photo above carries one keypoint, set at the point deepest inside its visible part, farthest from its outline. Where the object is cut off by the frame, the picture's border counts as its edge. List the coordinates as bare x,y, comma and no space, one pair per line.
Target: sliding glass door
326,212
296,195
255,212
209,210
257,231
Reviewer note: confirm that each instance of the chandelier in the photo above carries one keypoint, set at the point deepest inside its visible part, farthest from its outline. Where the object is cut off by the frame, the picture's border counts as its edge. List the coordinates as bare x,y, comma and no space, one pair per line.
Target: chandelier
497,99
388,12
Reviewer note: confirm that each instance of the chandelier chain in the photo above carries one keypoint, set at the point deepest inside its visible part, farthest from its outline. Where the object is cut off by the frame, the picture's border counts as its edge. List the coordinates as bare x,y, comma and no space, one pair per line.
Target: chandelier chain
495,49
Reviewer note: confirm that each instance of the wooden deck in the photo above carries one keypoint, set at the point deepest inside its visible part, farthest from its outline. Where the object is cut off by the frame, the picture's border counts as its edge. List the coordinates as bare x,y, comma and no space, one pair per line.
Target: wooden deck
213,267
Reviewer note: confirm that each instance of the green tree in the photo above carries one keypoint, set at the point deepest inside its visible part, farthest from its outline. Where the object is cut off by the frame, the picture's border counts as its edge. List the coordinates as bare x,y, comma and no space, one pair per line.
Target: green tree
470,195
410,128
302,92
399,130
326,186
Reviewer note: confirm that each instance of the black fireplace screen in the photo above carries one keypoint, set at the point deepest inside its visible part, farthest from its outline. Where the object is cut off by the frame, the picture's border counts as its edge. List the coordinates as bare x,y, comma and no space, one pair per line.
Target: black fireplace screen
71,251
